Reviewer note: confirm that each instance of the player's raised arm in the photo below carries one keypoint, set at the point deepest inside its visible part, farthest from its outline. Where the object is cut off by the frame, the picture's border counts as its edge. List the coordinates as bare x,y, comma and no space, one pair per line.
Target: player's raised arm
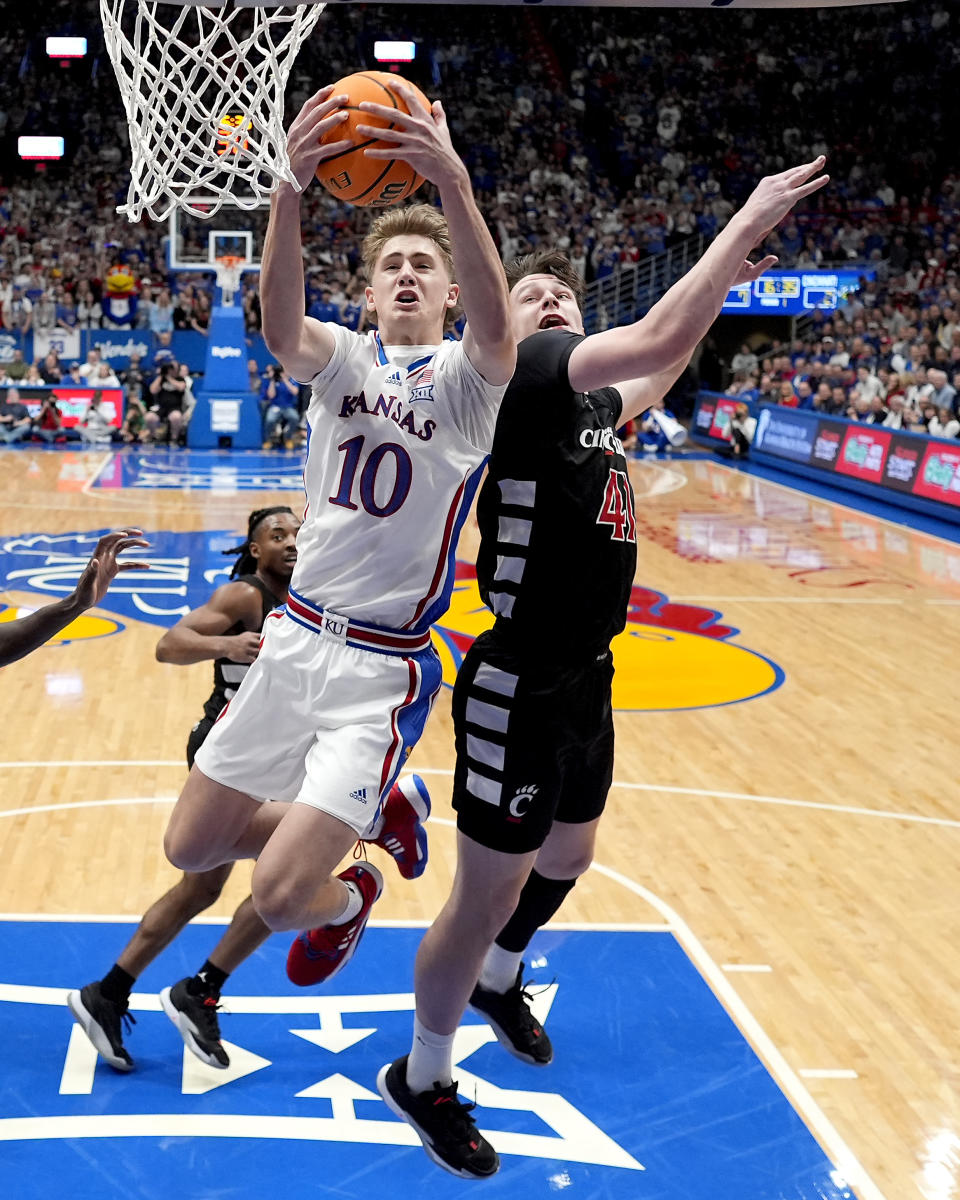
201,635
683,316
19,638
302,344
423,140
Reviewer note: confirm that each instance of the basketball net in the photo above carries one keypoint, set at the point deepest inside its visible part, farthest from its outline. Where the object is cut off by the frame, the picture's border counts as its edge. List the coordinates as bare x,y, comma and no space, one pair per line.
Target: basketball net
202,86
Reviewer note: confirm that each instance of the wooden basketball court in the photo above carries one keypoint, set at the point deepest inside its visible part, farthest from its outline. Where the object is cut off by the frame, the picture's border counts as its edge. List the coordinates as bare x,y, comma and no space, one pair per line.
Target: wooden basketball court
789,808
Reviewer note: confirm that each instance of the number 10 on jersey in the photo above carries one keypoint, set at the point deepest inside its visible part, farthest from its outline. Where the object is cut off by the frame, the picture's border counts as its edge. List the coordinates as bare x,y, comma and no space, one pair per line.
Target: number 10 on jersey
367,491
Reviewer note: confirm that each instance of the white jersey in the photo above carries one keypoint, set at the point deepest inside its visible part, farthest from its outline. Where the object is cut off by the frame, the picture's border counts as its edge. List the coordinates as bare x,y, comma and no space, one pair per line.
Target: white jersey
398,440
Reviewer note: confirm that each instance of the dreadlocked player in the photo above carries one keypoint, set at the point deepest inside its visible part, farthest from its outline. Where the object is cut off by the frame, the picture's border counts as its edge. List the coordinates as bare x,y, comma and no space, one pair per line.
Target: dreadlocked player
225,630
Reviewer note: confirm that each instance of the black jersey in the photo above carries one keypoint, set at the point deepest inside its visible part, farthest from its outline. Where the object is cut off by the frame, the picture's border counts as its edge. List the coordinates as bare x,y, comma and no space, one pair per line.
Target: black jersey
558,534
228,675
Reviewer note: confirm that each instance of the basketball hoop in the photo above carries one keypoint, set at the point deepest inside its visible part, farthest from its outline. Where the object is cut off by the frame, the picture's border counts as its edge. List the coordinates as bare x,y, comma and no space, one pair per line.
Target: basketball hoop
202,83
229,268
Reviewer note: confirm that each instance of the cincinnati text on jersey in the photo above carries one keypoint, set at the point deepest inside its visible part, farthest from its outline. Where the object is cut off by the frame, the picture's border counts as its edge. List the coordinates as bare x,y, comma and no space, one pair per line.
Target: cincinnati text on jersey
606,439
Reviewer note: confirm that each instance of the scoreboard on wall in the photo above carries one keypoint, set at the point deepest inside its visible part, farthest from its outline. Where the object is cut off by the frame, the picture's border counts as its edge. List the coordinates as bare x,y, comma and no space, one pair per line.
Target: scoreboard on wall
911,465
793,293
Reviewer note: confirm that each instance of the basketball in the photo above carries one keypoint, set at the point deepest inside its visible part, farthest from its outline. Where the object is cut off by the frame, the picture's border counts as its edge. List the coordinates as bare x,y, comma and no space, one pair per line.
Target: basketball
352,176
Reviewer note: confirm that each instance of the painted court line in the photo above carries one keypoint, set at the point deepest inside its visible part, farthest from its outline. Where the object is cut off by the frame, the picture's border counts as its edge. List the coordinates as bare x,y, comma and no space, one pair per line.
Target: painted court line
746,797
816,1120
847,1164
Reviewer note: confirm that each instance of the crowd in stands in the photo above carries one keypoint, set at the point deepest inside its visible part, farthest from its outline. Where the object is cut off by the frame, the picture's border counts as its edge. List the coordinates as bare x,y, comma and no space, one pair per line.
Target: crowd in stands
611,133
891,355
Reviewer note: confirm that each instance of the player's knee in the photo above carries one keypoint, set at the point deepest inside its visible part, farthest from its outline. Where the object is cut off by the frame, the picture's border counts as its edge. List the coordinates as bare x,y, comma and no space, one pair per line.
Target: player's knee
182,851
569,865
279,905
204,888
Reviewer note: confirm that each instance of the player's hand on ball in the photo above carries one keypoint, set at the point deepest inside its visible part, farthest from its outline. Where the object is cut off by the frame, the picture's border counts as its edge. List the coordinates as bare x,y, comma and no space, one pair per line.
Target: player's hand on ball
321,114
775,195
420,138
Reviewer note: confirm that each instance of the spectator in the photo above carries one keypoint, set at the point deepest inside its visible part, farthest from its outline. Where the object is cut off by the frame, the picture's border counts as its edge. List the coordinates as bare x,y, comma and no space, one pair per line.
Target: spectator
744,360
103,377
50,368
324,309
96,429
942,393
164,415
281,416
15,423
49,425
16,368
33,378
944,424
89,369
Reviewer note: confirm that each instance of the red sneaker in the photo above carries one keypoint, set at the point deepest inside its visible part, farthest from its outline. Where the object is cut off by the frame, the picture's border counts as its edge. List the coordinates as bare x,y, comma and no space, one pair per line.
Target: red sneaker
400,828
318,954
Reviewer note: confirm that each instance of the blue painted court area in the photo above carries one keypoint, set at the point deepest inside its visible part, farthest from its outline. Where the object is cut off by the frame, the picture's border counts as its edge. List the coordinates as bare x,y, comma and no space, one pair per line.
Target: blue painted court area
654,1093
224,472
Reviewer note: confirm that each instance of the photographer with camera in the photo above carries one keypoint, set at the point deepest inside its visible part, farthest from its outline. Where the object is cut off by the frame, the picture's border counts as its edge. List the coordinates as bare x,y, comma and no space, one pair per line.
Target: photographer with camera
165,401
279,395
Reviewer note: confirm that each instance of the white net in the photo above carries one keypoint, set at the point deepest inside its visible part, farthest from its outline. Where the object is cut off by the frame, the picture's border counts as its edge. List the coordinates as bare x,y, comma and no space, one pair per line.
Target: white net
202,87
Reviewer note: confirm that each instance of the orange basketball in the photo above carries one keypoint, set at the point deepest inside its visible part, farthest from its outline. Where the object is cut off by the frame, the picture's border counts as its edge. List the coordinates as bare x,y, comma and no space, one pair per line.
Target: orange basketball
350,175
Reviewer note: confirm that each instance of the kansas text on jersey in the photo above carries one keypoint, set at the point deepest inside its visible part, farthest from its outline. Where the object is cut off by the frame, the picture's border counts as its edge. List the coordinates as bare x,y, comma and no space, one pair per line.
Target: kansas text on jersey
398,438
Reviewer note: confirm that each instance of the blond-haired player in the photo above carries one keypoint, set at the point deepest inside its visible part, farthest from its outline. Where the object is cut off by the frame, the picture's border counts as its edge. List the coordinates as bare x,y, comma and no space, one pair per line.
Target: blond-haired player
401,424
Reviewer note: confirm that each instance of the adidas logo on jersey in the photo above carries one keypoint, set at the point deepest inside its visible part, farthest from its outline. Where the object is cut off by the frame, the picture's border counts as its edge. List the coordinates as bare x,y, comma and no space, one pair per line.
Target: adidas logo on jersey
394,378
360,795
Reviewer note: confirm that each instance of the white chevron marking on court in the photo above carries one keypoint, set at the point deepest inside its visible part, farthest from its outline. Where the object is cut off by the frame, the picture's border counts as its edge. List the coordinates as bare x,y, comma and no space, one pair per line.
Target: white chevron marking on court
573,1137
198,1079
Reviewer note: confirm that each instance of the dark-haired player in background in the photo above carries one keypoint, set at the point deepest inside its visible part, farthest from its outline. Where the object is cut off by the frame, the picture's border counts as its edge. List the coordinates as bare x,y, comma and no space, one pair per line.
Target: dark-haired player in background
227,630
532,703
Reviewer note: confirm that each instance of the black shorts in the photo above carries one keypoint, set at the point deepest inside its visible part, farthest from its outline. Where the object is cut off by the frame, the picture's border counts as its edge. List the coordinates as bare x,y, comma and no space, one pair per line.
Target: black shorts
534,744
197,736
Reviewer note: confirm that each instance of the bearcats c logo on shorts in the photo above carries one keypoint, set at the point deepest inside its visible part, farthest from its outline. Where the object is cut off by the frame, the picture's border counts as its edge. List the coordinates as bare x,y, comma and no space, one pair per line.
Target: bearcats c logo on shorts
522,800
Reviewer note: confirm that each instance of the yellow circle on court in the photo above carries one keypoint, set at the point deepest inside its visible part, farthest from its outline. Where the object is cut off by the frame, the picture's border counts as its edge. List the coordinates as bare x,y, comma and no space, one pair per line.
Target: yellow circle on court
658,667
83,629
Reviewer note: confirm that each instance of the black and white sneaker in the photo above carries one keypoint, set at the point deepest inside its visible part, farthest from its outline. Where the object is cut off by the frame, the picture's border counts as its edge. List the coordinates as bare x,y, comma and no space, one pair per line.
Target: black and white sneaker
196,1018
102,1020
441,1122
510,1018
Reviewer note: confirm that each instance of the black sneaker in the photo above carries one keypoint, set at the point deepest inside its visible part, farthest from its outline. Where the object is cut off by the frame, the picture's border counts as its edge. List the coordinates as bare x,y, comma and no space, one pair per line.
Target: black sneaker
102,1020
510,1018
441,1122
196,1018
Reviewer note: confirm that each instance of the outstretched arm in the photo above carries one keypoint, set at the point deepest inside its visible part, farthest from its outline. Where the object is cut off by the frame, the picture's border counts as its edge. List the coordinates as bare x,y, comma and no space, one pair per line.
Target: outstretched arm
19,638
200,636
423,140
301,343
640,394
677,322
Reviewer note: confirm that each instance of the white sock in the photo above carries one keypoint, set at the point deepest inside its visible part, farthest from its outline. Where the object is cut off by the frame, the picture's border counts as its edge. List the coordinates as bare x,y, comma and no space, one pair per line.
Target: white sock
499,970
353,905
431,1059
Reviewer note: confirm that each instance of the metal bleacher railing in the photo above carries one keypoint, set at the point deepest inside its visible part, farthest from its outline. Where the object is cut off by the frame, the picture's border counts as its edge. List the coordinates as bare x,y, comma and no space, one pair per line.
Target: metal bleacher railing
626,295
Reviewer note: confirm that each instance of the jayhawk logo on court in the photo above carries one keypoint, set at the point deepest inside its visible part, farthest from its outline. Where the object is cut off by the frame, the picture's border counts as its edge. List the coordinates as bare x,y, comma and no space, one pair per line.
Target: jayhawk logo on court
669,657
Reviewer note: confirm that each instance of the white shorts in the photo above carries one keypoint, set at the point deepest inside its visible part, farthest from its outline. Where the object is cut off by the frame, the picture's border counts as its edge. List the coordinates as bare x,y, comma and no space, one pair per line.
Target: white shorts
321,722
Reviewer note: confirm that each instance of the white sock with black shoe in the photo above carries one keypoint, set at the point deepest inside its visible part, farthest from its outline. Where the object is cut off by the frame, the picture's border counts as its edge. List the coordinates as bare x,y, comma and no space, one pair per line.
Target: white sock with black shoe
430,1060
499,970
